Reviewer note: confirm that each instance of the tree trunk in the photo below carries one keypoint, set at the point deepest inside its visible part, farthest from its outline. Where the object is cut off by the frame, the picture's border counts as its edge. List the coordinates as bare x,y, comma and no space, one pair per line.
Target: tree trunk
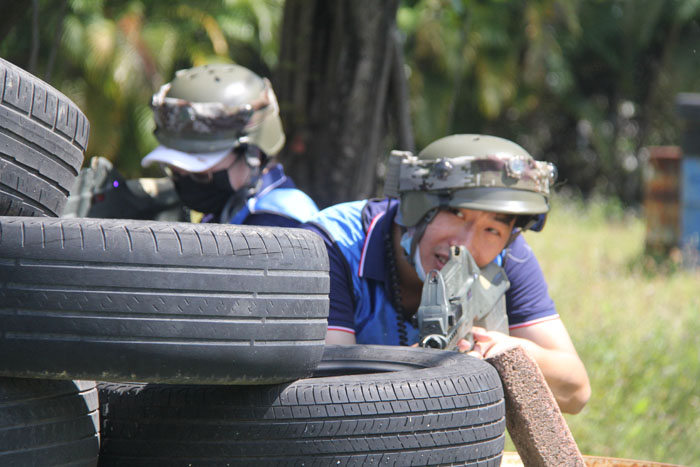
333,83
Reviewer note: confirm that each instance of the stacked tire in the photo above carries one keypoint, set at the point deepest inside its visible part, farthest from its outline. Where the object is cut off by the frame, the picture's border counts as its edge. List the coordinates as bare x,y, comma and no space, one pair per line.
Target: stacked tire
364,405
48,422
207,339
168,302
43,136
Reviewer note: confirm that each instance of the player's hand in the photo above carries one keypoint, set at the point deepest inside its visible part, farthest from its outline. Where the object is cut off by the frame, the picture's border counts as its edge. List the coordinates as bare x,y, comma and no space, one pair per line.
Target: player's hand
486,343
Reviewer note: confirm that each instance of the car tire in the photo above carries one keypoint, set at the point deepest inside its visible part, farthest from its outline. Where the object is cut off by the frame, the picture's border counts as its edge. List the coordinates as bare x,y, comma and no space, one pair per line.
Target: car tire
43,136
365,405
149,301
48,422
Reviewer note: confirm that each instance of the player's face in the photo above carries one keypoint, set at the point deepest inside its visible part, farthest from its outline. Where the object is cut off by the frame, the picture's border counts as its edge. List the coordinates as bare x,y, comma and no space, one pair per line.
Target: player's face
236,167
485,234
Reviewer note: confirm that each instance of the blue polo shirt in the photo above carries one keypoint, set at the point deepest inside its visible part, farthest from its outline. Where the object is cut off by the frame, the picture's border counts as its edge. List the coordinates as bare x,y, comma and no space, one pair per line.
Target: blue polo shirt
277,203
360,293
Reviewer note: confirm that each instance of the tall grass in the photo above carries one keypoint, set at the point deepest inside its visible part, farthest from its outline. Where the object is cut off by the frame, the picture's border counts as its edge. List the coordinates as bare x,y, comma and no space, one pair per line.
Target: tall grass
636,327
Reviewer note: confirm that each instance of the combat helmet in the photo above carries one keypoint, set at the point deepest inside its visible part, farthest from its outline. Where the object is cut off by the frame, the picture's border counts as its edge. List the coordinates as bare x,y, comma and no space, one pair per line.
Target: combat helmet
215,107
471,171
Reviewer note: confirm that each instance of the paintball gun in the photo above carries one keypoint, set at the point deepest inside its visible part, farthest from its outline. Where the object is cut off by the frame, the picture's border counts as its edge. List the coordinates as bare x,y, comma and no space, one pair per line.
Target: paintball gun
101,191
459,296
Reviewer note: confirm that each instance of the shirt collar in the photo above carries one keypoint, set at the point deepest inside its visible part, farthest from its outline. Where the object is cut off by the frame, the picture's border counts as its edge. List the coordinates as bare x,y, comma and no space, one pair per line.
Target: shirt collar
377,222
274,177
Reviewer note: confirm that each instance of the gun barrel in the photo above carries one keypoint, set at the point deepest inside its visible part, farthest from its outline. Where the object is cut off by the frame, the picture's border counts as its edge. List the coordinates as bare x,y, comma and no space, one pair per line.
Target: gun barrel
434,341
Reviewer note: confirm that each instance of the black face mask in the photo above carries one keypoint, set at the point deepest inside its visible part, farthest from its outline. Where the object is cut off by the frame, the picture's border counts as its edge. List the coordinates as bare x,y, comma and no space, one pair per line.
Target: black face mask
208,197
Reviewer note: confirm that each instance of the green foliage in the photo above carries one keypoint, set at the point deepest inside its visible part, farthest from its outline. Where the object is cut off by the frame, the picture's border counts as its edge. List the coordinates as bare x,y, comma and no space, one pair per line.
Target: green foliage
637,333
112,55
583,84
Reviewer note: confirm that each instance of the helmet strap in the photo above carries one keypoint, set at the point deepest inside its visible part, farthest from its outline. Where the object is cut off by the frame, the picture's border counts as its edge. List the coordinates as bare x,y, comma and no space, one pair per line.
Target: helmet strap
254,159
513,235
413,235
254,156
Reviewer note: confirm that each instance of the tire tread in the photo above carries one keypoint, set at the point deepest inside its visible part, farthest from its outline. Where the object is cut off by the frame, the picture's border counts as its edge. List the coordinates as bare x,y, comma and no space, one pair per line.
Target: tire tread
451,414
48,422
118,288
43,136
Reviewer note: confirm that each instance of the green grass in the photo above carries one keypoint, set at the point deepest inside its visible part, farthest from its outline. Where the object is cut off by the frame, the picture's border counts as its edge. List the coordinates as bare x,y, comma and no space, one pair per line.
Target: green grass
636,326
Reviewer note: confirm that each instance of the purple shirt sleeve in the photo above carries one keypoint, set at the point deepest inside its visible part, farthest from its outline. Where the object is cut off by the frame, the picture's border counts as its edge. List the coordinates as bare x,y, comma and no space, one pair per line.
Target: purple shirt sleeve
527,299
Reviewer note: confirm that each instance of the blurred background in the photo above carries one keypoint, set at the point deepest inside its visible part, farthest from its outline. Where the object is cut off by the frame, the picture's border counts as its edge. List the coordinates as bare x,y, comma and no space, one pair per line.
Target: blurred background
585,84
589,85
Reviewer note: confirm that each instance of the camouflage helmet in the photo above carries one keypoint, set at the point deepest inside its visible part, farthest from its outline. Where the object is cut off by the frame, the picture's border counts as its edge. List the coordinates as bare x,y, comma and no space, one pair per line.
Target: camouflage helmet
214,107
479,172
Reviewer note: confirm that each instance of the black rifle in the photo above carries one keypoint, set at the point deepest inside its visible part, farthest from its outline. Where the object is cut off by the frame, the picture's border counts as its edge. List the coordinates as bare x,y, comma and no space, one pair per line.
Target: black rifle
100,191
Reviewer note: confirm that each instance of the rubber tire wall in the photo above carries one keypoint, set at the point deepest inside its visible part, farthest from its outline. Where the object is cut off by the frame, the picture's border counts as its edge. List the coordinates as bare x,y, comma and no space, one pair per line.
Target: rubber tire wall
384,406
48,423
128,300
43,136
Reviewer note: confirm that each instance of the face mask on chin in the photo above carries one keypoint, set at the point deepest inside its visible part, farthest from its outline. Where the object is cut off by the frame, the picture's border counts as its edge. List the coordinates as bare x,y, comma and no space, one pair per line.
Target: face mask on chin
208,197
406,240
